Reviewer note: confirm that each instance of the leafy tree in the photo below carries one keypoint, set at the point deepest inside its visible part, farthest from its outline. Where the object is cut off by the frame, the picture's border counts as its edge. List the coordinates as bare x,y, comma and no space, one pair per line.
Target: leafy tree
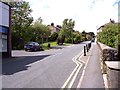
92,34
110,34
61,37
21,16
84,35
40,32
77,39
67,28
54,36
40,20
21,20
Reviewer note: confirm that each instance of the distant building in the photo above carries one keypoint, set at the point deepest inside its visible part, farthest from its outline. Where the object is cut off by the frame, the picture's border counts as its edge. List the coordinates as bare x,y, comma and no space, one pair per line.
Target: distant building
5,30
54,28
101,27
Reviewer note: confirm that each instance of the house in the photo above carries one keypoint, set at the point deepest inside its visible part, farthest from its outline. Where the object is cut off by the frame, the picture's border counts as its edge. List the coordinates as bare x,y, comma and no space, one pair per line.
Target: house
101,27
54,28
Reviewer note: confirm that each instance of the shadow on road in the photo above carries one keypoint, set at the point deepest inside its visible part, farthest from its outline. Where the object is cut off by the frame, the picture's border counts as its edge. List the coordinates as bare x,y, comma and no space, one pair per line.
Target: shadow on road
20,65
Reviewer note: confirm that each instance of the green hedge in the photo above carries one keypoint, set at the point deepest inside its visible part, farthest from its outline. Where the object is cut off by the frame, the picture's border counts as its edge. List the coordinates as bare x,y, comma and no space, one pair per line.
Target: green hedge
110,34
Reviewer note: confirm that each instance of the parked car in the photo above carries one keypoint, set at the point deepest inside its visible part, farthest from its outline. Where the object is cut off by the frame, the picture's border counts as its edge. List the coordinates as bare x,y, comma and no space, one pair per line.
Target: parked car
32,46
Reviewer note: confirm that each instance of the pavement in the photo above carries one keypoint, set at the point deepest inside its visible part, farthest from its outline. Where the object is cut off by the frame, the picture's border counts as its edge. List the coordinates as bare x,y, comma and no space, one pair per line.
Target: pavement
92,75
58,68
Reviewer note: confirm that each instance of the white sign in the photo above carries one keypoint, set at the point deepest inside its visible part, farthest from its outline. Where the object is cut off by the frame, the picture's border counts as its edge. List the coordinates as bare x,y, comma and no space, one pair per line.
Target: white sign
4,14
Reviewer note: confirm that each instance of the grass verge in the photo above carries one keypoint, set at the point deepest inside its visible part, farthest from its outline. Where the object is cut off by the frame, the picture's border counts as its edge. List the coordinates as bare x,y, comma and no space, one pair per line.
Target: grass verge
52,44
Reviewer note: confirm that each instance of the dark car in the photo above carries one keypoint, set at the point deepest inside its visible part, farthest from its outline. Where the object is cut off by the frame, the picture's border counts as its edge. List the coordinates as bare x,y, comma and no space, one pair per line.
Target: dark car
32,46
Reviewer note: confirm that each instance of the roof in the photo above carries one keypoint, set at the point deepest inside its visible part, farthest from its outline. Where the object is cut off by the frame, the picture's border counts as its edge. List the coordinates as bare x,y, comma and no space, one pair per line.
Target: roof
100,27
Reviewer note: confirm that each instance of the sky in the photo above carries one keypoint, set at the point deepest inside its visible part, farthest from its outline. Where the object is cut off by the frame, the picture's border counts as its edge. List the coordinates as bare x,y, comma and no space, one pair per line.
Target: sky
87,14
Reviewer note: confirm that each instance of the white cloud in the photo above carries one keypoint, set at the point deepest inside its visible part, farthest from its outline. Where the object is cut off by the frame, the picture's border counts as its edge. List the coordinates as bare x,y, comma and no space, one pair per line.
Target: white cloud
87,13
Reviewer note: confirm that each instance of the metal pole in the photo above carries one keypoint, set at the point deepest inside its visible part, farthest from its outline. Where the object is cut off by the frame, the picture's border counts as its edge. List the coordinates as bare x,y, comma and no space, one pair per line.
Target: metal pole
84,51
87,47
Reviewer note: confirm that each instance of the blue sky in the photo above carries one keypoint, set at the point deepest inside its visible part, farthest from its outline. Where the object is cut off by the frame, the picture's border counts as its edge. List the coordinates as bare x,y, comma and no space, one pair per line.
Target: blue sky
87,14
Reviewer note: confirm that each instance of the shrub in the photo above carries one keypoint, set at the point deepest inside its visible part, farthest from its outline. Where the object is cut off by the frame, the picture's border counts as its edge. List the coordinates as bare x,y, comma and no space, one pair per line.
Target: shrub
54,36
109,35
61,37
77,39
68,40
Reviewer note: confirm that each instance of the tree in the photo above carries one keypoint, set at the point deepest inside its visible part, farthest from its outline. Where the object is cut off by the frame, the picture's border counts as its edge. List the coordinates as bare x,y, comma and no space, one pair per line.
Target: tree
84,35
21,16
92,34
40,32
40,20
67,28
110,34
21,20
54,36
77,37
61,37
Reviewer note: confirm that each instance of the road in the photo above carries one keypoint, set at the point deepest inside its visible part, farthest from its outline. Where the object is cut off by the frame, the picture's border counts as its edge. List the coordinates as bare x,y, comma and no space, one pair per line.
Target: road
58,68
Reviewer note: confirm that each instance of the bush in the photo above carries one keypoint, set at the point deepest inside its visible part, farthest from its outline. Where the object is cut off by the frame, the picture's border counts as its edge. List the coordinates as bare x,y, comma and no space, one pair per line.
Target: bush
17,42
77,39
68,40
61,37
60,40
54,36
109,35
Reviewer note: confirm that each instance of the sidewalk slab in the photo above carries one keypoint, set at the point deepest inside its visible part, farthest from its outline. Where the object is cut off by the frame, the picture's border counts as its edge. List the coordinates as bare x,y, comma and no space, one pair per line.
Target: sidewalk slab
93,76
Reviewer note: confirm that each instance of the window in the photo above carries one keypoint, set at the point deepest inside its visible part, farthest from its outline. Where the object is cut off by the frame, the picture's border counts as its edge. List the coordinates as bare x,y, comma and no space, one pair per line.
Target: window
3,43
4,30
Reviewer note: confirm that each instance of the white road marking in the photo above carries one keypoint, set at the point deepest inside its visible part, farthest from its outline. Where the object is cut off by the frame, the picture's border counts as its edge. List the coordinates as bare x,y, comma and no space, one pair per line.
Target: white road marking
75,75
81,60
66,82
73,79
76,69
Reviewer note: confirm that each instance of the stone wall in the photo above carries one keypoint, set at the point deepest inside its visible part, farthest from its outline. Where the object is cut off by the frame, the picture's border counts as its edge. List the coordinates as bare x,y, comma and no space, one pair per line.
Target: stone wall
110,65
113,78
108,53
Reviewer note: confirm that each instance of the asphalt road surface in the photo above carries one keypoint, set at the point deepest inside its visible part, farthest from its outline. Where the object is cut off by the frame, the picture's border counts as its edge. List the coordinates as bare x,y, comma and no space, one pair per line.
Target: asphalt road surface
57,68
